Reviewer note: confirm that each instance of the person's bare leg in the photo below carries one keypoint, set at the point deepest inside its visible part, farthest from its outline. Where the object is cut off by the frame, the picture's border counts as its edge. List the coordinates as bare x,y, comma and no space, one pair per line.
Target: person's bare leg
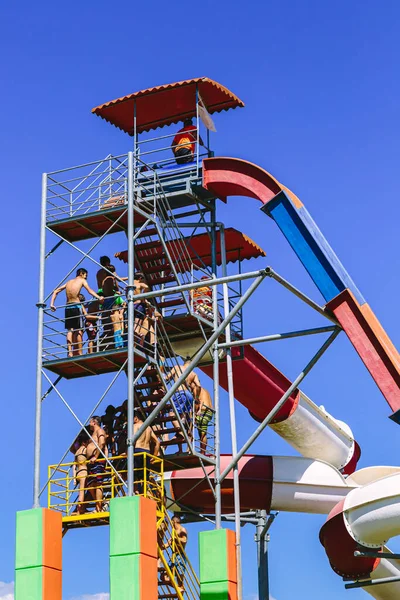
79,340
69,342
81,497
99,498
75,343
203,442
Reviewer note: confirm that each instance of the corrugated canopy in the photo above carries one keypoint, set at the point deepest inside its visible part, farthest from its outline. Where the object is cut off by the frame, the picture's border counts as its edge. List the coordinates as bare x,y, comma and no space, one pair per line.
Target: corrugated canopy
238,247
166,104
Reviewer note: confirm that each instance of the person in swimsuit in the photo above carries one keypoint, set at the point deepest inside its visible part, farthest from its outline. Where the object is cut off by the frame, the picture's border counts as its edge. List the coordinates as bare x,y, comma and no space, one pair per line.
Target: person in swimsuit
107,282
202,299
183,401
177,542
96,448
73,311
108,423
184,143
140,306
120,427
203,417
91,319
80,471
147,443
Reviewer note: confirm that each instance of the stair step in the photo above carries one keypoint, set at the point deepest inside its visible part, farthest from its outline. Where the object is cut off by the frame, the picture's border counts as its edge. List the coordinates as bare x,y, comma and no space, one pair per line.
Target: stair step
159,280
149,373
146,246
173,442
167,419
147,232
158,268
166,596
170,430
167,303
149,384
145,258
151,398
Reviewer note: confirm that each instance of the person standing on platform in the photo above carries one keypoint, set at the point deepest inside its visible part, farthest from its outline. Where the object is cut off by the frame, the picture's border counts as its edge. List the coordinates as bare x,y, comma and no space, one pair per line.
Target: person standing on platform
147,443
96,448
184,143
73,311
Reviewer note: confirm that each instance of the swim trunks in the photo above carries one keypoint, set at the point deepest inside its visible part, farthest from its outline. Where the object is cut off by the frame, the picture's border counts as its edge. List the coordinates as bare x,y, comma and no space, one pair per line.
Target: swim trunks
108,303
203,419
73,316
96,472
139,310
183,401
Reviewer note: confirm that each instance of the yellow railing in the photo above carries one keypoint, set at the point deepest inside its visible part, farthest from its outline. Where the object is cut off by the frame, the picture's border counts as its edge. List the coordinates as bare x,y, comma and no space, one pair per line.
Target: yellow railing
81,496
176,570
83,491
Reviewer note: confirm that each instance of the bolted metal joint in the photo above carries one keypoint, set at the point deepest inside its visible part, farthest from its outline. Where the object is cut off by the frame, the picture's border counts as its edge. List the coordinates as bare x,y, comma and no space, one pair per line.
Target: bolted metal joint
41,304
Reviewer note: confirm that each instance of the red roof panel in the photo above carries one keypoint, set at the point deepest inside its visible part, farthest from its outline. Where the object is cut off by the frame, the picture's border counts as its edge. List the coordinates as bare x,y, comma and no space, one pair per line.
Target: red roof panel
238,247
166,104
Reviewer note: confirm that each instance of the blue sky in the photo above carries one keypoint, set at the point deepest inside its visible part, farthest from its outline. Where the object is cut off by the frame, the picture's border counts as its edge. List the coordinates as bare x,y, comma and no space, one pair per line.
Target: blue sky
321,86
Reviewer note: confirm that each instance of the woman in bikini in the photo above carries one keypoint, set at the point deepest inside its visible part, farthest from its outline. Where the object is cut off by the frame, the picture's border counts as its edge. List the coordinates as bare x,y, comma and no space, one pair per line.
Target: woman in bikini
80,471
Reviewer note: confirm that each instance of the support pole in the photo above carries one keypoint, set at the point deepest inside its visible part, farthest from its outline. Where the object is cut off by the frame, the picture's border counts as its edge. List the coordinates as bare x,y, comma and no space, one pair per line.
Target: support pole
41,306
232,415
281,402
218,500
262,555
131,324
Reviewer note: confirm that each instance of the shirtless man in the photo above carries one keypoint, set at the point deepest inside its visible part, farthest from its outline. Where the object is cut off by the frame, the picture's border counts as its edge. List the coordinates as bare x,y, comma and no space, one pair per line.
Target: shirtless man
140,306
178,543
203,416
102,273
183,398
73,310
109,289
147,443
95,449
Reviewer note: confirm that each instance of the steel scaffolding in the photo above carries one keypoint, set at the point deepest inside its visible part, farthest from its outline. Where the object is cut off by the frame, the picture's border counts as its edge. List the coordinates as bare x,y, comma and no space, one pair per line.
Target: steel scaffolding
160,208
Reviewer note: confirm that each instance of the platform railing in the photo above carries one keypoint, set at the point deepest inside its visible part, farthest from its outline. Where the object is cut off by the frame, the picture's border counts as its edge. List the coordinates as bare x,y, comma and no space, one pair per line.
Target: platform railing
100,482
101,185
97,330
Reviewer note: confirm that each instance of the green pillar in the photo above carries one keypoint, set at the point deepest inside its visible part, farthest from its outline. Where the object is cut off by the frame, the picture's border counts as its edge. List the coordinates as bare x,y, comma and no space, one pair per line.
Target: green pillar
38,557
218,575
133,549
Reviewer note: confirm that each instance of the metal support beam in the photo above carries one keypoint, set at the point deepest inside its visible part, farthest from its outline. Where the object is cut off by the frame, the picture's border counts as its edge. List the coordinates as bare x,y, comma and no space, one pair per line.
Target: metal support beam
262,539
216,396
281,402
278,336
367,554
271,273
131,325
41,306
232,416
199,355
196,284
370,582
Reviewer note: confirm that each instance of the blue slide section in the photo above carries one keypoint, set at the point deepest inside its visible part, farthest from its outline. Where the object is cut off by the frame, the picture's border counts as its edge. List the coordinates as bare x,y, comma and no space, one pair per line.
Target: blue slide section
307,241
